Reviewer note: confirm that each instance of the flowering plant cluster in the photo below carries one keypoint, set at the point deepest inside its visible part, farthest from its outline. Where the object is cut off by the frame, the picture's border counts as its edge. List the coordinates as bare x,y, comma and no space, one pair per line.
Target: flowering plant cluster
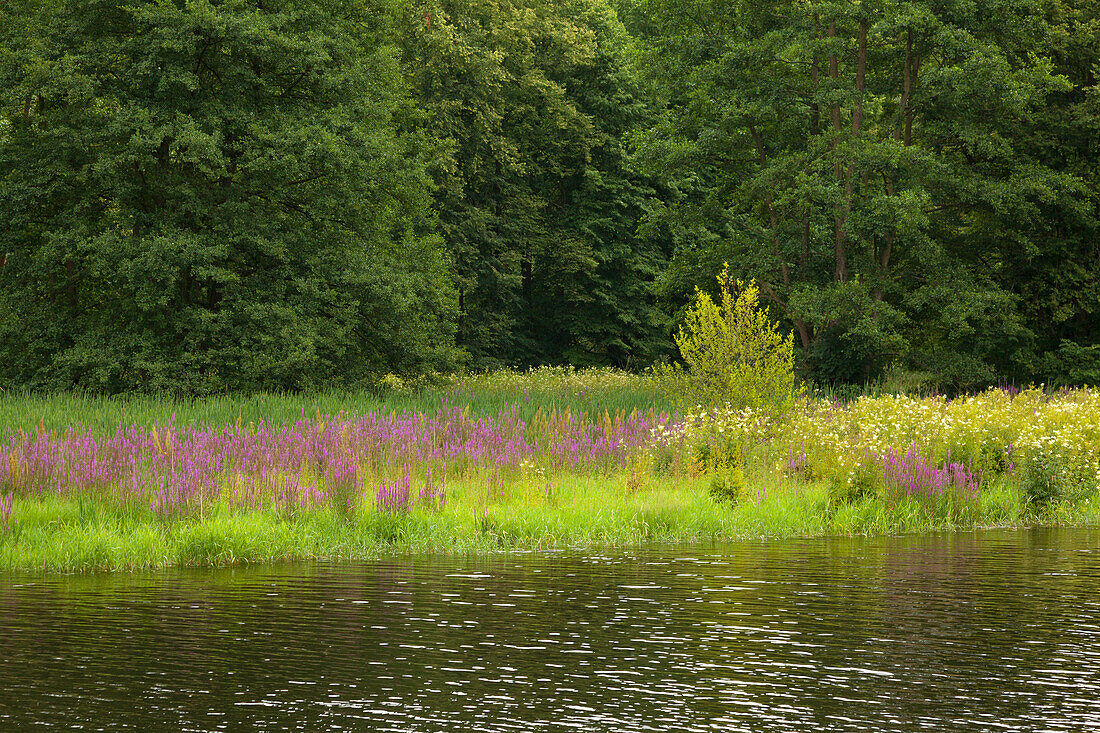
926,445
1047,444
320,461
725,422
911,446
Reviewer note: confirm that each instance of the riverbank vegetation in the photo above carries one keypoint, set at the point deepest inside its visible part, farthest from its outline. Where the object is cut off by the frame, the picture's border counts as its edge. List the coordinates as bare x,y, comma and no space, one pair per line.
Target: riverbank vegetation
274,276
438,476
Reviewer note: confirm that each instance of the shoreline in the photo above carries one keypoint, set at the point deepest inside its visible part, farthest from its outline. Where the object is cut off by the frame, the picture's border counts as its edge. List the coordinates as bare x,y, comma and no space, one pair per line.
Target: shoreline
83,535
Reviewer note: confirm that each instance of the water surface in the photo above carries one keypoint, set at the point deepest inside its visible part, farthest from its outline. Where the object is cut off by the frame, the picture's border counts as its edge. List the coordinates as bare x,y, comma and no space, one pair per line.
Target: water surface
979,631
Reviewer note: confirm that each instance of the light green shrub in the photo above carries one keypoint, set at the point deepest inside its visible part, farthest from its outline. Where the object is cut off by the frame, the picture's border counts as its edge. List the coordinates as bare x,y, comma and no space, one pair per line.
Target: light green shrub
728,486
732,353
1051,474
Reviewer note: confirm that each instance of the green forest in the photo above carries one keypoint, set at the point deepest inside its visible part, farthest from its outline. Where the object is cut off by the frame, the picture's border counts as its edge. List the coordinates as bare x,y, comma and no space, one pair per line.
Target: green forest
204,196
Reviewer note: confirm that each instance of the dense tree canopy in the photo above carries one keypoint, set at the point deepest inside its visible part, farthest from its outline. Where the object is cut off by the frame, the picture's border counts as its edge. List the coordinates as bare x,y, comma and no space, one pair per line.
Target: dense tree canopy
234,194
532,99
908,180
212,195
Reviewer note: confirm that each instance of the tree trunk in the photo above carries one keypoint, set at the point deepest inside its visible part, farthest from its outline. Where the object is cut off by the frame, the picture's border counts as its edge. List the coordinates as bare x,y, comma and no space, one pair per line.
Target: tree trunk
815,76
910,112
849,175
861,78
834,73
906,86
804,333
903,133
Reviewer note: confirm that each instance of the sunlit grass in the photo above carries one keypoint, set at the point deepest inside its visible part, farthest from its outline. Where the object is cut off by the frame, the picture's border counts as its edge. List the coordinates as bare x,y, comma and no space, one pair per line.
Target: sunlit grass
78,535
545,459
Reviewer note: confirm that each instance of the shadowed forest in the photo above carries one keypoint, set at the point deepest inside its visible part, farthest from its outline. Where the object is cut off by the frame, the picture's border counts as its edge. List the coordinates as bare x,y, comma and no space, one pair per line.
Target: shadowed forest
208,196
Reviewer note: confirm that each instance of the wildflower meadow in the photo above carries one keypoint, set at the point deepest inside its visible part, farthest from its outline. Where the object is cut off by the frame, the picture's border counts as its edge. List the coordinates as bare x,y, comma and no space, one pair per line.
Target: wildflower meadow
521,460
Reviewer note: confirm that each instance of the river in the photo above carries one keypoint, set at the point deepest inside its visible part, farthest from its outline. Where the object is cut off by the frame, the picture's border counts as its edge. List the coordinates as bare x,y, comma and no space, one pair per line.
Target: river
976,631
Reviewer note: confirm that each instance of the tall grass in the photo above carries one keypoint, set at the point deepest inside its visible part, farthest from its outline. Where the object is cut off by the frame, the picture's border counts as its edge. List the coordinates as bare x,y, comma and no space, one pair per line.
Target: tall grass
542,459
74,535
546,389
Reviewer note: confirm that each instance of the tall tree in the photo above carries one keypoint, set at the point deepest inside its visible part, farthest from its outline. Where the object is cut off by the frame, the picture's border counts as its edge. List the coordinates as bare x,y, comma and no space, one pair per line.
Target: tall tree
1056,270
212,195
536,202
869,163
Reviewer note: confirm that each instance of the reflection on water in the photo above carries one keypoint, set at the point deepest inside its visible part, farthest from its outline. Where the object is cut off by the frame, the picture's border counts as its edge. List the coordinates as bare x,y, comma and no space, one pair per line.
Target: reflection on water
977,631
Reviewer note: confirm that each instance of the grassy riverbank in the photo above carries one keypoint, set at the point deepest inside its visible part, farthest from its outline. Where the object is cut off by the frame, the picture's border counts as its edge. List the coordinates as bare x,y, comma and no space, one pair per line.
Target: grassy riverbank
548,459
77,535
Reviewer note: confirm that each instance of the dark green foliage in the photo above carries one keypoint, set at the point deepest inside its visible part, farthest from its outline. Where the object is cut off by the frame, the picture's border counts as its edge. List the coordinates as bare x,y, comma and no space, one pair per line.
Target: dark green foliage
212,196
1044,479
911,183
1056,272
535,200
1072,364
238,195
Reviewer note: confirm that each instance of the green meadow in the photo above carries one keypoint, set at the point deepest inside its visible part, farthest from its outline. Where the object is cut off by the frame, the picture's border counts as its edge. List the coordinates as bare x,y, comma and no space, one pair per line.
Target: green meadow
988,460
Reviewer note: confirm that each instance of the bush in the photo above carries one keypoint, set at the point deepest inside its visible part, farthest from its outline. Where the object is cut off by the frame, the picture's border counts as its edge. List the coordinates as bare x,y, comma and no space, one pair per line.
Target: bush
861,483
733,354
712,451
1051,475
728,486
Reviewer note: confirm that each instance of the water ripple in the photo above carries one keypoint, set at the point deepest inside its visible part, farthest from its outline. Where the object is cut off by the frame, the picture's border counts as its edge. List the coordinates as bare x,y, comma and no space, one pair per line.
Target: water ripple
969,632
